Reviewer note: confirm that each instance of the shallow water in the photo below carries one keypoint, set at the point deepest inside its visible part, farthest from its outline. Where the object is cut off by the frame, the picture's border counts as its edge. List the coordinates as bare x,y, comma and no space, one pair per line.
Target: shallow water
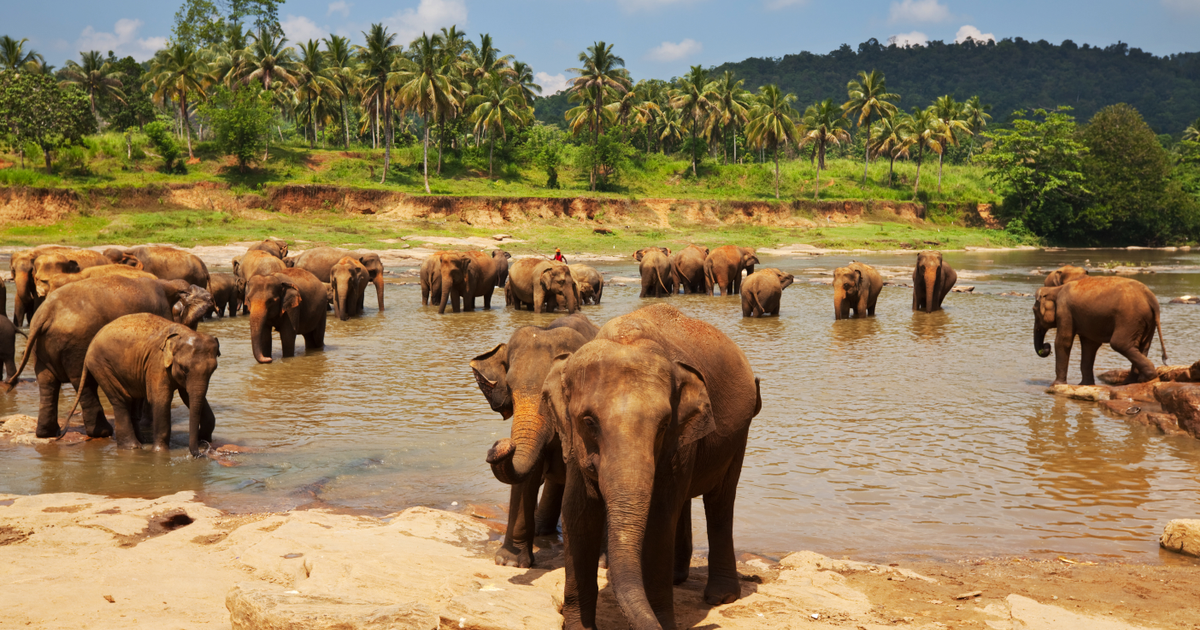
911,434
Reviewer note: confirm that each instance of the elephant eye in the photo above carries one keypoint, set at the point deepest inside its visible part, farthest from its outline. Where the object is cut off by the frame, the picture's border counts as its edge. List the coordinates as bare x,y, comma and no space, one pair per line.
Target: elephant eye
591,424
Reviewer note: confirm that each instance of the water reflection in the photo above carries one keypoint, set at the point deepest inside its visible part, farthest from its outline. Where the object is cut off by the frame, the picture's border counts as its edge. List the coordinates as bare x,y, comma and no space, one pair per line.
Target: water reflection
849,333
931,326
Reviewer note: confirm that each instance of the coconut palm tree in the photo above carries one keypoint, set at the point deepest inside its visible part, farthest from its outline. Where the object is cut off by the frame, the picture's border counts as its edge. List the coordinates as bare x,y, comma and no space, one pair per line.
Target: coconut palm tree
633,107
670,126
1192,133
976,116
869,99
493,107
343,71
773,123
925,132
15,57
485,60
694,97
426,88
602,79
376,58
178,73
231,63
732,105
952,120
890,137
95,76
824,124
315,84
522,77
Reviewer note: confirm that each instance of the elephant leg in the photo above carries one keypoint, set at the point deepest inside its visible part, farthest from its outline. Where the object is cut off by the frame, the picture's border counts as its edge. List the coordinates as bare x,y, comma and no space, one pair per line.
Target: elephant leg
683,544
94,422
658,557
314,340
549,509
1087,360
1062,354
517,550
208,420
10,365
287,340
1126,344
48,390
125,411
583,539
723,585
160,410
487,298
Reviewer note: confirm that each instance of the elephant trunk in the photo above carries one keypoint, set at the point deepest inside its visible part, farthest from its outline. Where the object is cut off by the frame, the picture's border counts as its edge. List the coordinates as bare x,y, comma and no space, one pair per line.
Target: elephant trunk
260,337
198,400
572,303
931,274
514,459
341,300
378,282
1039,340
627,492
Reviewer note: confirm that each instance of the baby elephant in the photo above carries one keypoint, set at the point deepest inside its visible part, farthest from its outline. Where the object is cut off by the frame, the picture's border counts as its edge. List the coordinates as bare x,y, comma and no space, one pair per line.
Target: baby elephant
856,288
762,291
228,292
144,359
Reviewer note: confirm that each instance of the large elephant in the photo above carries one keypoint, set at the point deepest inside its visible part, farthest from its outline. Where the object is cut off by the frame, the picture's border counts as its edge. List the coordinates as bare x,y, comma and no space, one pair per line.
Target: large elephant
257,263
26,299
689,268
273,246
293,302
143,359
932,280
55,264
430,275
1065,274
65,324
167,263
8,345
658,276
319,260
856,288
1121,312
510,376
724,266
589,281
536,283
228,291
763,290
502,258
57,281
654,411
348,279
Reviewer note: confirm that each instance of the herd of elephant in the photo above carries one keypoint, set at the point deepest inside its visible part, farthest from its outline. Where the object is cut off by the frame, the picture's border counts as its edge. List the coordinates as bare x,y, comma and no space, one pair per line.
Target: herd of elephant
126,321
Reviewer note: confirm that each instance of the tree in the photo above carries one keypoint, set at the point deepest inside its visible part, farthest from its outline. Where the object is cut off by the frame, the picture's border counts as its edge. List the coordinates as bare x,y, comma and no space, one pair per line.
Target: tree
166,146
486,61
426,88
694,98
732,105
670,127
493,107
15,57
772,123
376,56
97,77
344,73
951,121
136,110
824,124
976,116
522,77
869,98
241,121
601,78
890,137
271,61
177,73
315,85
1192,133
36,109
925,132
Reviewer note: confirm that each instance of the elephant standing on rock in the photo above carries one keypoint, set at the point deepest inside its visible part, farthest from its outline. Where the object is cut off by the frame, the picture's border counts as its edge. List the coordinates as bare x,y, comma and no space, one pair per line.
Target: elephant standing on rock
348,280
589,281
539,283
652,412
689,268
932,280
21,263
856,288
228,291
1121,312
143,359
724,266
1065,274
292,301
658,276
167,263
273,246
510,376
763,290
65,324
319,260
8,345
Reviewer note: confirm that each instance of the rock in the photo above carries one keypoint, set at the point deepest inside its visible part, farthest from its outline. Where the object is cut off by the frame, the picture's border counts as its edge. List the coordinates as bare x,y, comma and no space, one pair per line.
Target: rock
1143,392
1080,392
1182,536
1186,299
1028,614
966,289
1122,407
503,607
1172,373
1181,400
968,595
253,608
1014,294
501,237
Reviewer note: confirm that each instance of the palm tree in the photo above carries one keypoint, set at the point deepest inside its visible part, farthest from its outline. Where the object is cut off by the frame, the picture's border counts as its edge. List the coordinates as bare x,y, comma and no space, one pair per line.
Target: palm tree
14,56
925,132
951,121
890,137
633,107
732,105
670,126
343,71
976,116
493,107
485,60
1192,133
601,79
694,97
315,83
96,76
376,58
178,73
824,124
426,88
869,98
522,77
231,61
271,61
773,123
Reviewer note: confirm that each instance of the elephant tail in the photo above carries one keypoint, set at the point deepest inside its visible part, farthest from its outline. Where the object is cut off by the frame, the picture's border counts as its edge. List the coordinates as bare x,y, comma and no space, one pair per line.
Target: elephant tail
78,395
1162,343
709,277
30,347
658,274
755,305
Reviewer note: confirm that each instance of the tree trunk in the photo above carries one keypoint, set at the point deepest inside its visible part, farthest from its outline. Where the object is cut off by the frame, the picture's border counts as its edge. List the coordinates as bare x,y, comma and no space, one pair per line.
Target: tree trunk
891,169
46,156
692,149
441,141
735,144
820,163
345,124
187,125
917,184
867,152
491,150
425,157
940,156
387,141
777,172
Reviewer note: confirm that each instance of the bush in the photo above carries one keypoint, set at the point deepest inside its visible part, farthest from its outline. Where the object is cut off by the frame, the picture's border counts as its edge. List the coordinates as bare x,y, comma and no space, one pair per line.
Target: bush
241,120
165,144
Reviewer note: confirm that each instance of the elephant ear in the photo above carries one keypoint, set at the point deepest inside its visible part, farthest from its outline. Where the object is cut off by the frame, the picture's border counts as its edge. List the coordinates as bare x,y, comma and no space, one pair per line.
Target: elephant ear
666,250
491,374
693,411
291,303
72,266
786,280
638,255
167,350
554,403
177,311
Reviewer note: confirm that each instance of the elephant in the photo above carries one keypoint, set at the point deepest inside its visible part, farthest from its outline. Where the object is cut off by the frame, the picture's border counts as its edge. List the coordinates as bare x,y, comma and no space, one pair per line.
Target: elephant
658,277
168,263
57,281
1065,274
21,263
58,263
143,359
652,412
228,291
348,279
689,268
273,246
856,288
536,283
319,260
589,281
510,376
292,301
932,280
763,290
724,266
1121,312
430,276
65,324
502,258
256,263
8,345
459,275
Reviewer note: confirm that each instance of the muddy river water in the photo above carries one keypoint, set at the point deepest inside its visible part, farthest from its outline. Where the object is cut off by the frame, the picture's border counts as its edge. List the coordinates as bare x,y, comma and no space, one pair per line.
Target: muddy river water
905,434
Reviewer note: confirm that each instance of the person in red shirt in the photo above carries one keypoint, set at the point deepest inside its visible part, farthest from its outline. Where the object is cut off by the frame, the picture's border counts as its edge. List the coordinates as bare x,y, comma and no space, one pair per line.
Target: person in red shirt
558,256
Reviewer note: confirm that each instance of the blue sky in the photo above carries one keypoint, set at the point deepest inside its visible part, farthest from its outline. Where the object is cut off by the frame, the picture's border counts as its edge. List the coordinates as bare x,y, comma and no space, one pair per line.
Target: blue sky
657,38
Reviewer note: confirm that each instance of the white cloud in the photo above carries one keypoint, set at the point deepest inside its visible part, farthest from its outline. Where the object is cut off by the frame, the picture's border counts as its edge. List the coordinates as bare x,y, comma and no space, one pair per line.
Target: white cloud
918,11
428,17
123,40
775,5
915,38
1183,6
300,29
551,83
669,51
972,32
341,6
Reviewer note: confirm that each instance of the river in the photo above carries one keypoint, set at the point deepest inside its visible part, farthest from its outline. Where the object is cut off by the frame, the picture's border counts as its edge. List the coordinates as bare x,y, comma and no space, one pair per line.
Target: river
920,435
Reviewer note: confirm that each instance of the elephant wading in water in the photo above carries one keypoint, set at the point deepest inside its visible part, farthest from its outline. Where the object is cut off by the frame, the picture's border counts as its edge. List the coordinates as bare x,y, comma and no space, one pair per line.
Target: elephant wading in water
763,290
292,301
64,326
689,268
856,288
658,277
511,377
57,264
144,359
348,280
459,275
57,281
21,264
502,259
724,266
538,283
273,246
1065,274
1118,311
320,260
654,411
167,263
932,280
589,281
228,291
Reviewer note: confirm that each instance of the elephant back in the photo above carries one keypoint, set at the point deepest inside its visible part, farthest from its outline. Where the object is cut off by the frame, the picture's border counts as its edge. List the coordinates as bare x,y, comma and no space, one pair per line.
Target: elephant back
320,260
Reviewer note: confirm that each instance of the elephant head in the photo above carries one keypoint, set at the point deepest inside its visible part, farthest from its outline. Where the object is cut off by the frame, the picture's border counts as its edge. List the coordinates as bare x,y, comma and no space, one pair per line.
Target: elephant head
556,280
929,268
189,303
122,257
1065,274
639,254
48,265
1045,318
289,262
346,279
237,265
191,360
502,258
374,266
454,267
274,301
749,259
847,280
785,279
